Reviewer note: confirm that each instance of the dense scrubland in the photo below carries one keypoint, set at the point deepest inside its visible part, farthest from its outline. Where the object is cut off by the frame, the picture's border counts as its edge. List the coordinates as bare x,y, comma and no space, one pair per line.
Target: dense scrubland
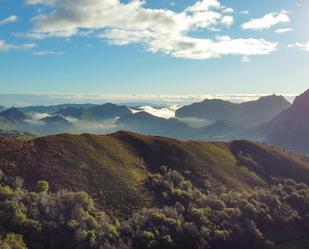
127,190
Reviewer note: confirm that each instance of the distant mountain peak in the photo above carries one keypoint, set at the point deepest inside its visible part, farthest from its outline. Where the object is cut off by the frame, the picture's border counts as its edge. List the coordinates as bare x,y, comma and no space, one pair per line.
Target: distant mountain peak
302,99
274,99
14,114
290,127
273,96
215,100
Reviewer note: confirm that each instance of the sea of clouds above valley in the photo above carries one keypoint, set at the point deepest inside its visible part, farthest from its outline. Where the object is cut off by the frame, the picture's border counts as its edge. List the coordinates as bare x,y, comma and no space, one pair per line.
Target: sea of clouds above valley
154,100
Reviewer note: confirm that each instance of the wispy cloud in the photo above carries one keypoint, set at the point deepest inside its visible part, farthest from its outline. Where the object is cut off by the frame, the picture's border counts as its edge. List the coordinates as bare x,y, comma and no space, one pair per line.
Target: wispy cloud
5,47
302,46
157,30
46,53
10,19
267,21
284,30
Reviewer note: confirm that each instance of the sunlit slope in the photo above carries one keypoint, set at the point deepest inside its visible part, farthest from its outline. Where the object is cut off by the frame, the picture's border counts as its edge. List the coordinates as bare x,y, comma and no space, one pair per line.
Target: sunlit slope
113,168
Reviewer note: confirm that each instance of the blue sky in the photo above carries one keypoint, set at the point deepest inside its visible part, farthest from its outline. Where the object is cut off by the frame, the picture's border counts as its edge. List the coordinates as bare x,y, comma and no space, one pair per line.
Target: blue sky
154,47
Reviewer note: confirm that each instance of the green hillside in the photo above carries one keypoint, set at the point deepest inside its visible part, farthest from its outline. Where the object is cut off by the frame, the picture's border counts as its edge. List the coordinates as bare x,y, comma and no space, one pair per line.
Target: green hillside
150,192
112,168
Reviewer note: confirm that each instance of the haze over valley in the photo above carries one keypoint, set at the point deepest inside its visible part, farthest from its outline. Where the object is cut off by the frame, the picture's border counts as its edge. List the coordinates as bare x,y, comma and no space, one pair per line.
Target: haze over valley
209,120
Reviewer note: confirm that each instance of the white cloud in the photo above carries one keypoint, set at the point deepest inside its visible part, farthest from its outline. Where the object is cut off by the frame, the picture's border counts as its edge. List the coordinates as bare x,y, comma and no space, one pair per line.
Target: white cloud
267,21
158,30
5,47
45,53
228,10
227,20
245,59
38,116
302,46
165,112
284,30
10,19
203,5
195,48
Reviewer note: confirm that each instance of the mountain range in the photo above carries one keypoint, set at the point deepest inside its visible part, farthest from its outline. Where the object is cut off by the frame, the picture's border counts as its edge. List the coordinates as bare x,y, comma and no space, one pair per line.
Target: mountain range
98,112
270,119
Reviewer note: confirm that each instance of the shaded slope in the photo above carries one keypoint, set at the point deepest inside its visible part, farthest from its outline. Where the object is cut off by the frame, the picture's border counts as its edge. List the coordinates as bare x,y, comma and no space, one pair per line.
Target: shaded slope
290,128
221,130
268,161
5,123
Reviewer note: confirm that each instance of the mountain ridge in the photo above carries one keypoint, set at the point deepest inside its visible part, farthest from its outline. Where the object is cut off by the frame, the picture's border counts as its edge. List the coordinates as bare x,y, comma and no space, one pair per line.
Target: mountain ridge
248,114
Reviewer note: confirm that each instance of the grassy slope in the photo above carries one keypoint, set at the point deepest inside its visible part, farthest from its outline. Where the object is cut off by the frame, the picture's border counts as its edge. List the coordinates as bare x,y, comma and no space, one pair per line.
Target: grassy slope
113,168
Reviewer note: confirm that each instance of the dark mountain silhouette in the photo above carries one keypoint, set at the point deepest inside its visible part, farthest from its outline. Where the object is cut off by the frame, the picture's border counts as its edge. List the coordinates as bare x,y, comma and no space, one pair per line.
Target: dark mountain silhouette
14,114
55,124
262,110
146,123
98,112
246,114
108,111
54,108
290,128
215,109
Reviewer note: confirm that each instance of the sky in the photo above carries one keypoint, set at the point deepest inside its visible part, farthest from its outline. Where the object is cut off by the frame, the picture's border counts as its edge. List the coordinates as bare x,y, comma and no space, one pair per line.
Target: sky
154,47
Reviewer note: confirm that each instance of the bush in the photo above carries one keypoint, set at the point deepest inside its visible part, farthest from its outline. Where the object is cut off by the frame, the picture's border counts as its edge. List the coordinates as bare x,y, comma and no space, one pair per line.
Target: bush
12,241
42,186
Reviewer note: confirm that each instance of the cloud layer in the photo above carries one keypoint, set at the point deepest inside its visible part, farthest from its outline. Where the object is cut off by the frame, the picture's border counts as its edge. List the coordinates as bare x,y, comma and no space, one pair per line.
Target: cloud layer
157,30
158,99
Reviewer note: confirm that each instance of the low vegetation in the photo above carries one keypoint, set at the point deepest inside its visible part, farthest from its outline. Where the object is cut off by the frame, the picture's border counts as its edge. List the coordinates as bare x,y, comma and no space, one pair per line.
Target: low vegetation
184,217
